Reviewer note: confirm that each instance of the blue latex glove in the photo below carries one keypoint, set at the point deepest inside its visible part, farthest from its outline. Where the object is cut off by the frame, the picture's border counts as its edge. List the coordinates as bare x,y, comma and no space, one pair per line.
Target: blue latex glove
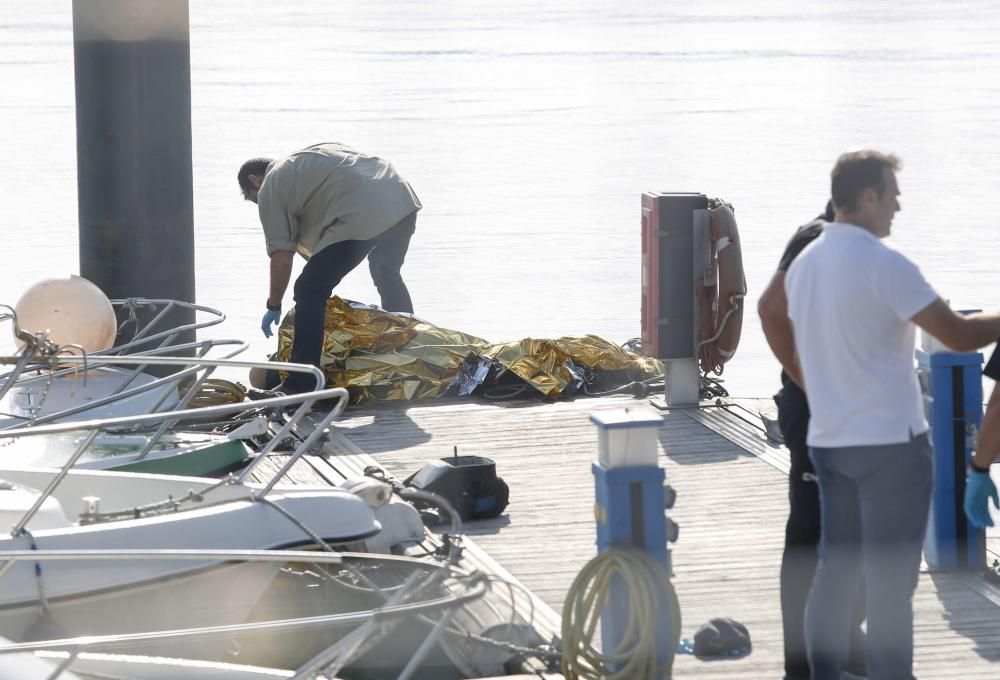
979,489
272,317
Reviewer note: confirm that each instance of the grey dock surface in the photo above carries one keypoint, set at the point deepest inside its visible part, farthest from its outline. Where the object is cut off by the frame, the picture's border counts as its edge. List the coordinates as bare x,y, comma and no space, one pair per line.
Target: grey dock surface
731,484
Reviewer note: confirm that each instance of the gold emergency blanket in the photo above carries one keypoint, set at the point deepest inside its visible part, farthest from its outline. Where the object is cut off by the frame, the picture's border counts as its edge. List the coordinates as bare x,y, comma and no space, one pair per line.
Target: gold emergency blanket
382,355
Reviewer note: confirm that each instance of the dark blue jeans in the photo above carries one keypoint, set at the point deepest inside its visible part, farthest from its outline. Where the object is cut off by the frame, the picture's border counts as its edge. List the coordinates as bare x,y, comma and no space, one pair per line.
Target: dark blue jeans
324,270
874,501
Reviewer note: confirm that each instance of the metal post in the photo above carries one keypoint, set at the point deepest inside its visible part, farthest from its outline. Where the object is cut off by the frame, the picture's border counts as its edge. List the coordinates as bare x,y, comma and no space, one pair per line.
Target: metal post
952,388
134,175
631,499
675,253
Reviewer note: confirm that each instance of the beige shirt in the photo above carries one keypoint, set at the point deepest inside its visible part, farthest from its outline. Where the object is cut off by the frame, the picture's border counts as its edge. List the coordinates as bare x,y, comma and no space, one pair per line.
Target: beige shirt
329,193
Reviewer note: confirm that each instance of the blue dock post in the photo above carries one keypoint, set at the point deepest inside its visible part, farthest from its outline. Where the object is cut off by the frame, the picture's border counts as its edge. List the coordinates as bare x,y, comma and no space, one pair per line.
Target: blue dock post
952,386
631,500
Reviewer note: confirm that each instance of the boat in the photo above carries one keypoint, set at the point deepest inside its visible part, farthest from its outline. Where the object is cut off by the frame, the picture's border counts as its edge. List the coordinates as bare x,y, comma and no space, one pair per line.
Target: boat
44,665
175,452
141,375
137,561
69,509
42,388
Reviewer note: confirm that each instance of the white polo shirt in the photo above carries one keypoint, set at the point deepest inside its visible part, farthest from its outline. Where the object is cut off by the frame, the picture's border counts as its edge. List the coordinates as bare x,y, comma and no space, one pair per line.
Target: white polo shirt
850,299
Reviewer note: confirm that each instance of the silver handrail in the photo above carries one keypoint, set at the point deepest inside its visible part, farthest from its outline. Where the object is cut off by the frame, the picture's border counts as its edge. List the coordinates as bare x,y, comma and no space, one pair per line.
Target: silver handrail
305,402
29,358
141,338
10,557
127,554
221,409
476,590
300,450
120,392
95,360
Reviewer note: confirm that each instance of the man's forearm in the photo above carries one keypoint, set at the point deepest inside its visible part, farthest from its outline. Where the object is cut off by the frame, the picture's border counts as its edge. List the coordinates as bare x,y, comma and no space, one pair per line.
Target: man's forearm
982,328
958,332
781,339
281,273
988,444
773,311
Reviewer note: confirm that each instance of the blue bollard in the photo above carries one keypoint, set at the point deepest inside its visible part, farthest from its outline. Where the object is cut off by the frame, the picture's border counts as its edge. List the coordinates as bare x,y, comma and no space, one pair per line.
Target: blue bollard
952,386
630,511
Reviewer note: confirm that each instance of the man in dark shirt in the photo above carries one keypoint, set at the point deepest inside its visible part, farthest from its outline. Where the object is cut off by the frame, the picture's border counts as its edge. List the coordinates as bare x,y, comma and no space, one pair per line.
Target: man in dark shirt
802,532
979,487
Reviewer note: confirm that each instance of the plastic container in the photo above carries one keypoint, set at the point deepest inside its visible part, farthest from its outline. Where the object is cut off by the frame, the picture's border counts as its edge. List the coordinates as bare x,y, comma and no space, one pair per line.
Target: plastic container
627,437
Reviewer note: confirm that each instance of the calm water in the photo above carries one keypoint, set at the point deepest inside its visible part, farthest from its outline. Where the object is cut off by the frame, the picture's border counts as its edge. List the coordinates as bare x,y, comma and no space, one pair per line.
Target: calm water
529,130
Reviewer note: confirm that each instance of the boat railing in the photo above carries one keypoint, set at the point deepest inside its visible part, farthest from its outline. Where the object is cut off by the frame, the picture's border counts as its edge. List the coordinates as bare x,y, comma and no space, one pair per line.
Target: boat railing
82,365
143,335
300,404
452,588
38,350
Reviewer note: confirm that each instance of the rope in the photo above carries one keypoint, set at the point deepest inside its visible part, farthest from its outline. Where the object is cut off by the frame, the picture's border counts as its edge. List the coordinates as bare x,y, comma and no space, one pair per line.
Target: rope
43,602
713,358
130,305
170,505
635,658
216,391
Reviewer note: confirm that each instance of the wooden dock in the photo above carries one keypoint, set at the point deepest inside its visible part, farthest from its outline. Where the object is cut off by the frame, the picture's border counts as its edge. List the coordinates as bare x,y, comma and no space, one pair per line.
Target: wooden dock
731,484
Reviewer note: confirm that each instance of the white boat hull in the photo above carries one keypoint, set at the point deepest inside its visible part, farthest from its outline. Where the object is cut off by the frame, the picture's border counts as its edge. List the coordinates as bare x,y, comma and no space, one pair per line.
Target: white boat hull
214,596
335,516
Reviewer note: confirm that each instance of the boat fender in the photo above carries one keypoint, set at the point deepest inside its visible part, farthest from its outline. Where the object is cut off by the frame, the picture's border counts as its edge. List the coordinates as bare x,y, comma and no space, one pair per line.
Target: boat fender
374,492
401,526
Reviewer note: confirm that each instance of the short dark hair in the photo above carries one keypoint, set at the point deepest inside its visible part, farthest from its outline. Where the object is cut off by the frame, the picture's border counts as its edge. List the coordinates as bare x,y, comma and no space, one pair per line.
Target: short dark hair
254,166
856,171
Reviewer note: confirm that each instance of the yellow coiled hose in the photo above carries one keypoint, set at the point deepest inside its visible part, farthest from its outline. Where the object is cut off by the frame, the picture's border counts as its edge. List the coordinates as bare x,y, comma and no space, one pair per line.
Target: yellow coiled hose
216,391
649,588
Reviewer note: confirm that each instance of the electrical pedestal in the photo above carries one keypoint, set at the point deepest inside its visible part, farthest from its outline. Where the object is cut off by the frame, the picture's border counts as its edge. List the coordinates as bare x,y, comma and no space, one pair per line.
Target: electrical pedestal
631,500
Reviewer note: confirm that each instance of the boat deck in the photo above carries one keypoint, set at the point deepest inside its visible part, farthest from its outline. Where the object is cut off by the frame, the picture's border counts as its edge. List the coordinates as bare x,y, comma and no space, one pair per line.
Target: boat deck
731,507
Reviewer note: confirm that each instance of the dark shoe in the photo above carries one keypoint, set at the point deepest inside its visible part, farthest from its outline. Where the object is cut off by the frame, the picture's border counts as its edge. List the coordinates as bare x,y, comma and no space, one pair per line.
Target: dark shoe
258,395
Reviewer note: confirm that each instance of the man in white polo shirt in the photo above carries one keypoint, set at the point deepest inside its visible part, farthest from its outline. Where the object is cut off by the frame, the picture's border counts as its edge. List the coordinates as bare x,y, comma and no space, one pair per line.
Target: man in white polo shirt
854,304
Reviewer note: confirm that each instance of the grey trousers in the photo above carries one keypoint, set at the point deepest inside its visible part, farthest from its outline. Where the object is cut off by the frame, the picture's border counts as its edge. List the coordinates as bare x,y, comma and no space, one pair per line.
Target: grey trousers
874,502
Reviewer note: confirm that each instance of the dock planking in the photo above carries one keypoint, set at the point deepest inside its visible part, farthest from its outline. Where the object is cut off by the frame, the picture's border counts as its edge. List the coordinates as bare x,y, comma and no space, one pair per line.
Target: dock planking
731,506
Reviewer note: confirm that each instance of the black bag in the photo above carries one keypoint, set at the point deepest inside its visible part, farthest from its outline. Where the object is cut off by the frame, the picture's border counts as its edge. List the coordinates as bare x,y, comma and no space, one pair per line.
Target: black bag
469,483
722,637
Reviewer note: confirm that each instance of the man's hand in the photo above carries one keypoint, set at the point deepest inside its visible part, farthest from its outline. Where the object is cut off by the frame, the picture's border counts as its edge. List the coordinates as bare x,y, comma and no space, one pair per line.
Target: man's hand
979,489
272,317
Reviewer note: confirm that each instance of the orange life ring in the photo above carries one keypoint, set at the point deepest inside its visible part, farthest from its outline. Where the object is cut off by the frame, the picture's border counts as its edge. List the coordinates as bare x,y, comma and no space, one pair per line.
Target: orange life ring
720,292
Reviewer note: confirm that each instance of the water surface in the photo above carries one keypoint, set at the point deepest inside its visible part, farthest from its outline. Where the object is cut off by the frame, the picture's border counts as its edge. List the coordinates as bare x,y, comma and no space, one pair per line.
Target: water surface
529,131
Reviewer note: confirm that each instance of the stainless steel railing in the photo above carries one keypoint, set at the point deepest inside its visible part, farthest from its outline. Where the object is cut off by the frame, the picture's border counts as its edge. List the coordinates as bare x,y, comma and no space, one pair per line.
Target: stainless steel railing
374,623
303,404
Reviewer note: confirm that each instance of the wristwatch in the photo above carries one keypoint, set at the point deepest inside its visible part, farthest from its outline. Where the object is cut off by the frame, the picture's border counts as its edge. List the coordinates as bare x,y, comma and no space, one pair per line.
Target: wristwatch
267,303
